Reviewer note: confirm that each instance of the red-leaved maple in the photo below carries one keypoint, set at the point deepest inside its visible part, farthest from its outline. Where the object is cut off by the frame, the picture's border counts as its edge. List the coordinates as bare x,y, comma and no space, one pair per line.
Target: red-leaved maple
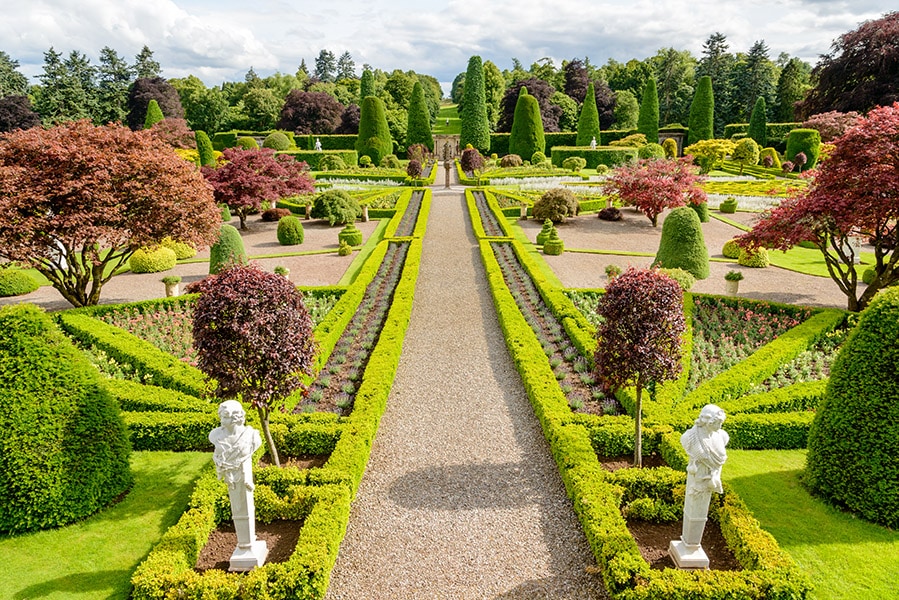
854,193
639,337
245,178
77,200
653,185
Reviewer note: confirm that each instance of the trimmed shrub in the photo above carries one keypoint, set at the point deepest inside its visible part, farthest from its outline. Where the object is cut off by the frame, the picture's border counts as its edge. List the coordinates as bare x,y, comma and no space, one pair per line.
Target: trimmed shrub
555,205
806,141
374,138
574,163
600,159
854,438
332,162
418,120
204,149
544,232
365,161
651,150
701,210
344,249
247,143
154,114
15,282
756,258
64,450
226,213
290,231
390,162
670,148
553,244
271,215
771,152
351,235
731,249
538,158
682,245
683,278
526,137
648,119
228,250
702,112
728,206
276,140
746,152
758,123
180,249
634,140
337,206
473,114
152,260
588,120
510,160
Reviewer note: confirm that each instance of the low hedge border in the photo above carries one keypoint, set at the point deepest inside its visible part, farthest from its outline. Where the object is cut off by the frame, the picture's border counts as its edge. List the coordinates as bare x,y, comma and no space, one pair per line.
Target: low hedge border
313,157
799,396
610,156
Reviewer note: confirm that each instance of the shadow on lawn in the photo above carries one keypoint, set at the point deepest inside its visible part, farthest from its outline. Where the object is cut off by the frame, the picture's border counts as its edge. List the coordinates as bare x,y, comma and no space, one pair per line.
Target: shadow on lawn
91,581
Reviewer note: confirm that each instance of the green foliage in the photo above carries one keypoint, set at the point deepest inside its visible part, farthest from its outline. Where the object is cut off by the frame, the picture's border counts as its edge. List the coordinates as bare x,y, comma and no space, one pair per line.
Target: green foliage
314,158
758,123
344,249
648,119
331,162
682,245
351,235
526,136
757,258
731,249
746,152
670,147
277,140
651,150
728,206
154,114
374,138
152,260
588,120
633,140
547,229
574,163
337,206
555,205
553,244
701,210
15,282
226,213
290,231
601,157
247,143
854,440
64,451
807,141
775,157
475,124
683,277
702,112
228,250
181,249
204,149
418,124
538,158
390,162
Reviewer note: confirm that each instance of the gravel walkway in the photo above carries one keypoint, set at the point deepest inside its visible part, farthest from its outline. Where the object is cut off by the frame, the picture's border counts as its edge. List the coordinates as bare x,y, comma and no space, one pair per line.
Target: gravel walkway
461,498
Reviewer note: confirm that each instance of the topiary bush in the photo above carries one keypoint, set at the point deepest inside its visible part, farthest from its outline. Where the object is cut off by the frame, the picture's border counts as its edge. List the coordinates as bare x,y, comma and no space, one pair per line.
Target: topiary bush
651,150
731,249
772,154
344,249
544,232
277,141
670,148
16,282
728,206
854,439
510,160
574,163
351,235
64,449
290,231
226,213
538,158
247,143
553,244
555,205
271,215
682,245
756,258
373,140
181,249
228,250
332,162
152,260
337,206
805,141
683,278
390,162
701,210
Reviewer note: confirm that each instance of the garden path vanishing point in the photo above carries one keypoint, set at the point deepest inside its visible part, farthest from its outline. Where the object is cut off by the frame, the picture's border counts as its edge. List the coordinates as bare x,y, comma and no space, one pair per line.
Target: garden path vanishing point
461,498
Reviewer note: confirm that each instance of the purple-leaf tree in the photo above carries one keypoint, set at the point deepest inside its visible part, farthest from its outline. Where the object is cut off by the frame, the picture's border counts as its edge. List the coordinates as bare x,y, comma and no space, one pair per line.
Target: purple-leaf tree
654,185
254,337
639,337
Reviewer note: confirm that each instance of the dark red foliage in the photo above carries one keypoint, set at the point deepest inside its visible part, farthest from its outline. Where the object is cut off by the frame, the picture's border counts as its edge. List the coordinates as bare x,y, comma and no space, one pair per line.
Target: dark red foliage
16,113
576,79
175,133
540,90
310,112
349,120
152,88
272,215
413,169
471,160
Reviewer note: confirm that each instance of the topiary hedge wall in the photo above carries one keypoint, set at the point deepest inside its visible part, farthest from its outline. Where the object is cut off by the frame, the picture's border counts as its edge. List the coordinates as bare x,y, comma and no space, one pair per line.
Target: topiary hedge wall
314,157
602,155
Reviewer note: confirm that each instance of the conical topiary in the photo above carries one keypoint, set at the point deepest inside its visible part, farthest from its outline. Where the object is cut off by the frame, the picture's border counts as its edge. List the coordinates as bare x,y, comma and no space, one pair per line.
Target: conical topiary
154,114
648,119
553,245
204,149
682,245
475,123
702,112
588,120
374,138
544,233
418,120
758,123
526,137
227,251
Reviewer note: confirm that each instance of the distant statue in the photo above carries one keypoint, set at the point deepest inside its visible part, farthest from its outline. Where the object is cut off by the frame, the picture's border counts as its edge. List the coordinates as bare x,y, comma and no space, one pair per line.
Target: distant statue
318,145
593,143
235,444
705,444
447,122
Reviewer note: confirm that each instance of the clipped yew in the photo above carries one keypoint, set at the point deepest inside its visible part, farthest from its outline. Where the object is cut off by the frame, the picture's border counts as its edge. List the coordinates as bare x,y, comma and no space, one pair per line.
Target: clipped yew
527,137
418,120
154,114
702,112
254,337
227,251
806,142
374,139
350,234
758,123
204,149
290,231
474,121
682,245
648,118
588,120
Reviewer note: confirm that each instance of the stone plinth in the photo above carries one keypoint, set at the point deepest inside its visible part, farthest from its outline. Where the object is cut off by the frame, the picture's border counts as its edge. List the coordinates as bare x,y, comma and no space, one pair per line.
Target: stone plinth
687,556
245,559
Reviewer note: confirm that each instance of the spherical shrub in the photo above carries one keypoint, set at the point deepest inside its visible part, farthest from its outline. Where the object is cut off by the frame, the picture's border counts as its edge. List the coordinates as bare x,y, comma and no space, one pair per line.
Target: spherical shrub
180,249
868,275
247,143
731,249
510,160
290,231
651,150
853,441
756,258
15,282
603,169
344,249
555,205
64,449
574,163
682,245
351,235
610,213
332,162
365,161
683,278
227,251
152,260
277,141
538,158
390,162
337,206
270,215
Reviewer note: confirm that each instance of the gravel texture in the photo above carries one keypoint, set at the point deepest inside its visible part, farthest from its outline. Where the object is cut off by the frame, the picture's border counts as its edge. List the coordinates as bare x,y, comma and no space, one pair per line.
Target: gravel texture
461,498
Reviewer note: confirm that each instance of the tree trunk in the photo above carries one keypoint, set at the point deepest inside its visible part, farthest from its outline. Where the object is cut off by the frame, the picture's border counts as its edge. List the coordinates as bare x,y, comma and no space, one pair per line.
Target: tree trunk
267,434
638,427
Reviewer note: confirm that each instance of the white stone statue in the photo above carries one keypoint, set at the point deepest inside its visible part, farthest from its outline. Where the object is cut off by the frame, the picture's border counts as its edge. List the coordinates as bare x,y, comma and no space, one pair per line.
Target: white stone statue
234,444
705,444
593,143
318,145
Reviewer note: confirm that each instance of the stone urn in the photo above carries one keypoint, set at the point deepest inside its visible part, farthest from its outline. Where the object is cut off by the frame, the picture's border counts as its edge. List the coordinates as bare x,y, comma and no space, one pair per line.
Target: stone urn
171,283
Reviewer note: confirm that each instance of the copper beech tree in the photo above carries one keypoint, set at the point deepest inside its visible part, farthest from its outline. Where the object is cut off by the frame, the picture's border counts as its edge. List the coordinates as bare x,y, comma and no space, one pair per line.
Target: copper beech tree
244,178
653,185
639,337
854,193
77,200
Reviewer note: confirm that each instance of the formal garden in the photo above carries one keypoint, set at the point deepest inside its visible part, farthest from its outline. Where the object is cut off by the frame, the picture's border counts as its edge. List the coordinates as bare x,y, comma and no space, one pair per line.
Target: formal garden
638,275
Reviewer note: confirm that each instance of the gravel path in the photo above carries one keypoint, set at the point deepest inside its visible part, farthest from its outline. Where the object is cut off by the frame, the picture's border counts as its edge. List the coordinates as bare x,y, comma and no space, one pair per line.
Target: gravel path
461,498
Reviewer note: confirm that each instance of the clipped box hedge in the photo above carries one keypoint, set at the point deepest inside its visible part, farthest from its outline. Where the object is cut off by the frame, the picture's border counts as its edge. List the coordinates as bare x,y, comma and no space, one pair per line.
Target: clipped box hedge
610,156
312,157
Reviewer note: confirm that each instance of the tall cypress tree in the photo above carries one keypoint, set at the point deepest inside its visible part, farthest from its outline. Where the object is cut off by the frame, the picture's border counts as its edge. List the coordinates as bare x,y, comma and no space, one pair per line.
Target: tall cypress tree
154,114
374,138
702,112
526,137
648,120
758,123
418,120
475,127
366,85
588,121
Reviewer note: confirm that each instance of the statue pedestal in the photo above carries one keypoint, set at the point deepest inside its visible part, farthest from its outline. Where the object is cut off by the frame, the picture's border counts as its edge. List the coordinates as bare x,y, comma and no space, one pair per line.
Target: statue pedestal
687,556
245,559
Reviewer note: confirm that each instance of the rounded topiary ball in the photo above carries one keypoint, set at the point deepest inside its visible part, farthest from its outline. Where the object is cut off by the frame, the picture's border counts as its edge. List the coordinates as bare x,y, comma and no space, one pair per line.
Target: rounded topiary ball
228,250
683,278
247,143
555,205
651,150
277,140
854,439
15,282
756,258
331,162
64,449
152,260
351,235
682,245
290,231
731,249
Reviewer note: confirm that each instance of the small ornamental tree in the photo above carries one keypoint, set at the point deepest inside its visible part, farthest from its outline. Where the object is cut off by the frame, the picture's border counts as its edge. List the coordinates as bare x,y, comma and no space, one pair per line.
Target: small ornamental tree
746,152
418,120
639,337
145,89
76,215
853,193
831,124
254,337
588,120
247,177
655,185
758,123
374,138
471,161
310,112
709,153
702,112
648,119
413,169
527,136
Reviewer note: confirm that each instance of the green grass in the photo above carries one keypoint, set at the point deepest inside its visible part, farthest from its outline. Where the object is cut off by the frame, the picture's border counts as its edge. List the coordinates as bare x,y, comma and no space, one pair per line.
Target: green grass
846,557
94,559
447,111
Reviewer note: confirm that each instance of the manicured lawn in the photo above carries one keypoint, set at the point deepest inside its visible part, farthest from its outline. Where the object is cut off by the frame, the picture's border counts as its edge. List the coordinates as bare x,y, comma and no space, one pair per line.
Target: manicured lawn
846,557
95,558
448,111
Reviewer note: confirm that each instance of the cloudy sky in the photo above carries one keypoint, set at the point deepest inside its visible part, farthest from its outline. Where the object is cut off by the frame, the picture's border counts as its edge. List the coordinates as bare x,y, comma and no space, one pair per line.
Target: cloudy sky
219,40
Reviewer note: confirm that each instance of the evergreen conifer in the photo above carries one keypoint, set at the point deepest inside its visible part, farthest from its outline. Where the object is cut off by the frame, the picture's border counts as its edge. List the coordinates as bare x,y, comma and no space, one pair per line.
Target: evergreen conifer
758,123
588,121
526,137
418,123
702,112
475,126
374,138
648,119
154,114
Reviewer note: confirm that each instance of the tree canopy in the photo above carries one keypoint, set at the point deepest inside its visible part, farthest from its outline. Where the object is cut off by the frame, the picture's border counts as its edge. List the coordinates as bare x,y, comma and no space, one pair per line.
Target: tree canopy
310,112
653,185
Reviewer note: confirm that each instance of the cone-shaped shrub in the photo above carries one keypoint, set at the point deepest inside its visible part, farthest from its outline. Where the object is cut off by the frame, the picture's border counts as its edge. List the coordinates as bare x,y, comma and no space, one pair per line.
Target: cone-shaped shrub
702,112
204,149
366,85
475,124
290,231
154,114
418,120
227,251
544,232
854,440
648,119
553,244
682,245
758,123
526,137
588,120
374,138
